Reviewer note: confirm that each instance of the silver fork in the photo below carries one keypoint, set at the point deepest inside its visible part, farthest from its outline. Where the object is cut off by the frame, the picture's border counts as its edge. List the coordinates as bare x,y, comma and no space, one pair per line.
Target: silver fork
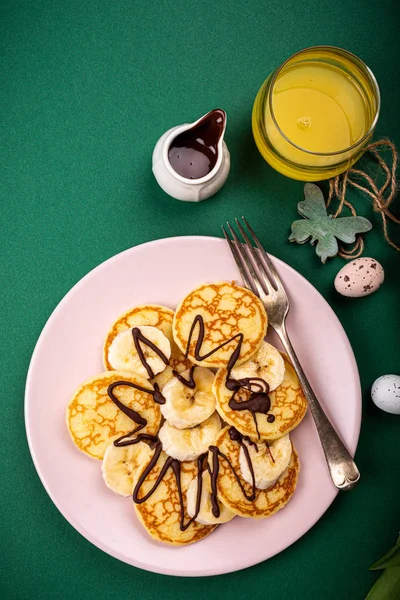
259,275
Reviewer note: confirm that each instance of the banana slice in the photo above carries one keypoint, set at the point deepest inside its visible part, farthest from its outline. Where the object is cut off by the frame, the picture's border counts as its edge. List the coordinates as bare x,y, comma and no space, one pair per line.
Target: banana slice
120,464
205,514
185,407
122,354
269,461
188,444
267,364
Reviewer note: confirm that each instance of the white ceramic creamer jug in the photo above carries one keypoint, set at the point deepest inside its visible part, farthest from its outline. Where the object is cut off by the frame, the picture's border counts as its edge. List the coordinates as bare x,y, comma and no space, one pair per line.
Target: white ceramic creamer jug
191,162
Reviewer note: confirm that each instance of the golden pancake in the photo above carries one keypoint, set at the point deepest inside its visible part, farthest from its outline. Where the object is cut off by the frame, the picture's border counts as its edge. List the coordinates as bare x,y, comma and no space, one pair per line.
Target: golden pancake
154,316
226,310
94,420
160,514
267,502
288,405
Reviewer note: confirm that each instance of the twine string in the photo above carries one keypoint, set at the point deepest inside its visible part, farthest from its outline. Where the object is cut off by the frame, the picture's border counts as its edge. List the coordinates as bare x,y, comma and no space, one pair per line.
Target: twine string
381,197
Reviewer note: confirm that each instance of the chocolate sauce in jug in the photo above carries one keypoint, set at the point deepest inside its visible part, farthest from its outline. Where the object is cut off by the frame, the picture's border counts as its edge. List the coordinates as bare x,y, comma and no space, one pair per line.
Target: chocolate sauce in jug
194,152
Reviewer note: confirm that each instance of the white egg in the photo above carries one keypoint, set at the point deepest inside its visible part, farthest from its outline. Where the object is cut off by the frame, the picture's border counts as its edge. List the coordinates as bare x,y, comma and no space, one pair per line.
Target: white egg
360,277
385,393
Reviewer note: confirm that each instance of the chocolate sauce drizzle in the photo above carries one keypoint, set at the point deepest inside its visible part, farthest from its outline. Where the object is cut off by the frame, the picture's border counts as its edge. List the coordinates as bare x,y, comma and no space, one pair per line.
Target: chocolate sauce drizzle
216,455
259,401
169,463
198,320
129,412
138,339
132,414
175,465
269,451
122,441
190,383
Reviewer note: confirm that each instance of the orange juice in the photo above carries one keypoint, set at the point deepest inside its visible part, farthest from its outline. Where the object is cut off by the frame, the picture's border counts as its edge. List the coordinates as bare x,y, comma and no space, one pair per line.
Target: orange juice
313,117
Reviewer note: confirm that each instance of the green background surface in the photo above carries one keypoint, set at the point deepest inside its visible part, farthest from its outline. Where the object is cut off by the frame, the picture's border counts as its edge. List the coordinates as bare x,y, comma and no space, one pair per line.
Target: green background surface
87,89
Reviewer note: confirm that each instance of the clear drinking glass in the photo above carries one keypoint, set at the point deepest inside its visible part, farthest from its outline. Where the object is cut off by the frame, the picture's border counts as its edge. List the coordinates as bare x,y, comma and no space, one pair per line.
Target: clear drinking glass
315,114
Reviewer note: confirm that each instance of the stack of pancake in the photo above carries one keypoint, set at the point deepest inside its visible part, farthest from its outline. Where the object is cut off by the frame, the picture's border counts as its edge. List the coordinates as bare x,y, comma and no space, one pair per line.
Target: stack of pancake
193,413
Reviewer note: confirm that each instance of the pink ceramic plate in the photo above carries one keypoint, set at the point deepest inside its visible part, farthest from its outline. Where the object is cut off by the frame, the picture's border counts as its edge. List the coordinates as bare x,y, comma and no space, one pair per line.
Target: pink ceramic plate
69,350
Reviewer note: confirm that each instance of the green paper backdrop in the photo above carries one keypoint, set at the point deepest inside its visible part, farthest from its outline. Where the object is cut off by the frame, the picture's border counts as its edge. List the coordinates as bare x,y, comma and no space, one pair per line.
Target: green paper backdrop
87,89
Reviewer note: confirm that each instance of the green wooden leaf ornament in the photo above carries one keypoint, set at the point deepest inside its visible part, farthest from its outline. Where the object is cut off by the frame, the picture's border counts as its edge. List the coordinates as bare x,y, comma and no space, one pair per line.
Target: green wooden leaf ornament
322,229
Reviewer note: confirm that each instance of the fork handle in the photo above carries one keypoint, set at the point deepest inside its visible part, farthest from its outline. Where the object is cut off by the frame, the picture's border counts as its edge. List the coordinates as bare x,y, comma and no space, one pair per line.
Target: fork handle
342,468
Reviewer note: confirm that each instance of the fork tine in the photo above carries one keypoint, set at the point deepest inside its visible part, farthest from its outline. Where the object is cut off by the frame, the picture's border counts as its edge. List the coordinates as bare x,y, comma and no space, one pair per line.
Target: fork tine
239,254
246,262
263,274
235,254
268,265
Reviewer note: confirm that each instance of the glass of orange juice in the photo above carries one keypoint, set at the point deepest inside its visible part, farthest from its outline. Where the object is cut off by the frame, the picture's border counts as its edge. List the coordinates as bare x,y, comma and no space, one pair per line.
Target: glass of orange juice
315,114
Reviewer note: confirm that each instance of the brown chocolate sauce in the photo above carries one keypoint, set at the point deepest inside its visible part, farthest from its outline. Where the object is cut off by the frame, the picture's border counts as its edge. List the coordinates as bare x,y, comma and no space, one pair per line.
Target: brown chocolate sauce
269,451
155,392
124,441
216,455
190,383
175,465
129,412
215,452
259,401
138,339
236,436
194,153
198,320
132,414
